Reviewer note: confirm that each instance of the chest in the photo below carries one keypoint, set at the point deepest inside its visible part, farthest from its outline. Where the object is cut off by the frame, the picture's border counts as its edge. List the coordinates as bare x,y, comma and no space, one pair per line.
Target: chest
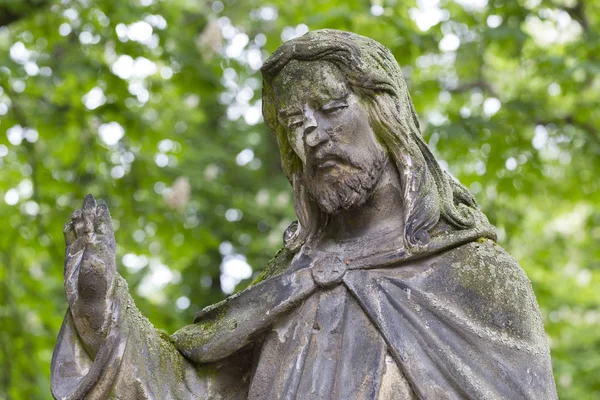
327,348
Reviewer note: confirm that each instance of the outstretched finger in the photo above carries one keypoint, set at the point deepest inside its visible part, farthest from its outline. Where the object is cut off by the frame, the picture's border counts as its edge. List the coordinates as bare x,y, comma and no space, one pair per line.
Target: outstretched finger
103,226
69,232
89,214
78,224
103,223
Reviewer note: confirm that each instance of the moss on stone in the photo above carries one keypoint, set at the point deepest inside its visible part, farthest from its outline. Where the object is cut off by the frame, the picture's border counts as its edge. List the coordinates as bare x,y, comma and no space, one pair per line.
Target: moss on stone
276,266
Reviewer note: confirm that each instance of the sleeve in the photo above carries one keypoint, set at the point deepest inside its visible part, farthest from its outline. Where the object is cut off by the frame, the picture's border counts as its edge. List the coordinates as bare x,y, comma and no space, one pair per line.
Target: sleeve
136,361
233,324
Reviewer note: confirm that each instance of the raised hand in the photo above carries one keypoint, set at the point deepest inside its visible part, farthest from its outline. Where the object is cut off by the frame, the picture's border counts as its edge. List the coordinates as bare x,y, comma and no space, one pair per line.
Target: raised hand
90,270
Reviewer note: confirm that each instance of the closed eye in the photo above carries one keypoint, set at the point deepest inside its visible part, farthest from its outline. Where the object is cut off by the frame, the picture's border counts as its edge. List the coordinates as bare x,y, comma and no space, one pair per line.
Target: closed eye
295,125
335,105
332,110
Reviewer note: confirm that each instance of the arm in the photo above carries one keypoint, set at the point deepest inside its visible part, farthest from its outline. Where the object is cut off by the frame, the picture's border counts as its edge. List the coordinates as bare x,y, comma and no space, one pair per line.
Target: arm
106,348
224,328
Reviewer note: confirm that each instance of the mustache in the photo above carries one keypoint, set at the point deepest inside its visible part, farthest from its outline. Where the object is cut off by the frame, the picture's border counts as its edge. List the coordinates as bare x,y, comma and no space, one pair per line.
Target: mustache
315,159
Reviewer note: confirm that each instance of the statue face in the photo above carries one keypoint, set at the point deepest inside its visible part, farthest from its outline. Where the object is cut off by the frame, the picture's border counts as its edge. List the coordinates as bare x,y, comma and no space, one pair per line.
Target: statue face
328,127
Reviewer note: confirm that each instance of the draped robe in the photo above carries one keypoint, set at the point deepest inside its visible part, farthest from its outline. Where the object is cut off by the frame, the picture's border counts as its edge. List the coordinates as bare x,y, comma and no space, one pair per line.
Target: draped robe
459,321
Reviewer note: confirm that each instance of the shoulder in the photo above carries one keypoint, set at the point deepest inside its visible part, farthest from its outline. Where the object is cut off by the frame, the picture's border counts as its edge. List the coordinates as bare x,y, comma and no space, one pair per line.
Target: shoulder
491,285
486,268
483,257
276,266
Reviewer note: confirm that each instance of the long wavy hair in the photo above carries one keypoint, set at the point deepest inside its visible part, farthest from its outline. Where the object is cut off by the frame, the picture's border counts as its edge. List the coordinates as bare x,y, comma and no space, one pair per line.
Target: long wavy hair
372,73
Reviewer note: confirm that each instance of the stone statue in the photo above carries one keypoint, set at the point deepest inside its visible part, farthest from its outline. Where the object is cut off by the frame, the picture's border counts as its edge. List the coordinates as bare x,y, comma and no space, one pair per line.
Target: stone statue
390,284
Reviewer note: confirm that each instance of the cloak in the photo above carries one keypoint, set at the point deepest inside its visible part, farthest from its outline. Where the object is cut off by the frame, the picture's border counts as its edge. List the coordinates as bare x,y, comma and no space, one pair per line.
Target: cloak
458,321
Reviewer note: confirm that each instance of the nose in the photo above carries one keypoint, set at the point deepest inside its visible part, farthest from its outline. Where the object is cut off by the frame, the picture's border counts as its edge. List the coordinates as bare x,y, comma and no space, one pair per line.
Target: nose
313,136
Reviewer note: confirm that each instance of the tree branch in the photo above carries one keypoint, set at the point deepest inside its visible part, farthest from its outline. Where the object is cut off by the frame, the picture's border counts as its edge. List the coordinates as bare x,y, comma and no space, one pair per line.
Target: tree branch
13,12
577,12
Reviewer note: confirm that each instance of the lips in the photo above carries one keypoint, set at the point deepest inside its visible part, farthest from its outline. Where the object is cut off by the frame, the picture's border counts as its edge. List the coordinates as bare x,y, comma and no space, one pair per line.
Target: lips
326,162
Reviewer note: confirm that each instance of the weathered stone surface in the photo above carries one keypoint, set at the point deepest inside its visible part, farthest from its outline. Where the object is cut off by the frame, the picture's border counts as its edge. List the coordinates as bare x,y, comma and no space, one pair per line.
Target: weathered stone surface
390,285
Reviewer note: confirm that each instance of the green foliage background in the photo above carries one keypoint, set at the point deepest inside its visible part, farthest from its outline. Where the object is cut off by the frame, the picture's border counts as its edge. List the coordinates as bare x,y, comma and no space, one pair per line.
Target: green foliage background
507,92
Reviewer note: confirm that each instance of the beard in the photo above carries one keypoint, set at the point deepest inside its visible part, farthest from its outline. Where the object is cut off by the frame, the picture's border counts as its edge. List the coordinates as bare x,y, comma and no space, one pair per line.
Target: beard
345,186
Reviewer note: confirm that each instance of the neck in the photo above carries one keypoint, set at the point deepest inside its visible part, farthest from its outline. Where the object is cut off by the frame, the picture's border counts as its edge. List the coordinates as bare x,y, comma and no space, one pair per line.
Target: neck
381,213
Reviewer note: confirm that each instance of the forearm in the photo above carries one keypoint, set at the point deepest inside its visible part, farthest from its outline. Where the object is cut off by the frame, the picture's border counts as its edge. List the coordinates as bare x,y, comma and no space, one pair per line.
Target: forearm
133,351
106,348
227,327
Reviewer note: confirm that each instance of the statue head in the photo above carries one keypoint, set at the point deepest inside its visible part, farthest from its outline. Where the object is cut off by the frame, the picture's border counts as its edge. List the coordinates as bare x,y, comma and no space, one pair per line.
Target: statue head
328,128
340,109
